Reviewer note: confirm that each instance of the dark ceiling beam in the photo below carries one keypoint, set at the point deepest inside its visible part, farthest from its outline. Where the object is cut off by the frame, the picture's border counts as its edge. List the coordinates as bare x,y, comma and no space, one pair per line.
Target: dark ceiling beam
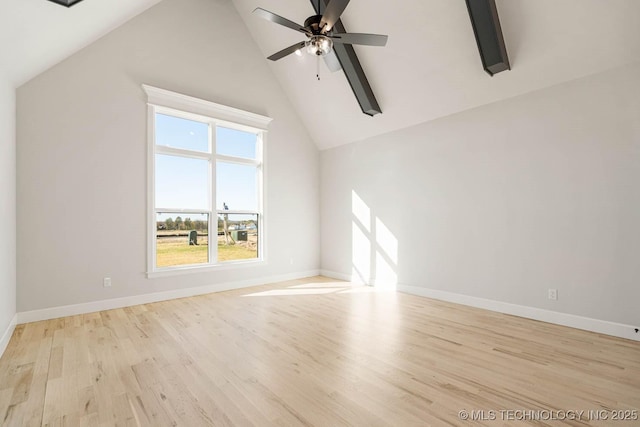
67,3
351,67
486,28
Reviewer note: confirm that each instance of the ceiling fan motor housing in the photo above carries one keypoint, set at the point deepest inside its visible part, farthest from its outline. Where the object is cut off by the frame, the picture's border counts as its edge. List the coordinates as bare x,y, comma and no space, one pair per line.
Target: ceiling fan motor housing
312,23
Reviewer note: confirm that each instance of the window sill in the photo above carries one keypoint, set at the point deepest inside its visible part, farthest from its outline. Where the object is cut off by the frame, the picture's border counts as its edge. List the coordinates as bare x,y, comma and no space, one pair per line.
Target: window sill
178,271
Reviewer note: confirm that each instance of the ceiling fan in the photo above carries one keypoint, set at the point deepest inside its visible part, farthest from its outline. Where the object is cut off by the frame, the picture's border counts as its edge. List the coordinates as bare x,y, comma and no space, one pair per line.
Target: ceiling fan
320,37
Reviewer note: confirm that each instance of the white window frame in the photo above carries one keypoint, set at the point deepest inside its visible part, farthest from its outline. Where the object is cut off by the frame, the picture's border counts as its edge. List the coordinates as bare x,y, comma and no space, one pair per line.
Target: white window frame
177,105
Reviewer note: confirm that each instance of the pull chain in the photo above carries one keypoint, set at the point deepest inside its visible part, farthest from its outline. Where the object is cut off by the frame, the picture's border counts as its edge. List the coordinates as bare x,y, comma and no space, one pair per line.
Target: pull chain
318,56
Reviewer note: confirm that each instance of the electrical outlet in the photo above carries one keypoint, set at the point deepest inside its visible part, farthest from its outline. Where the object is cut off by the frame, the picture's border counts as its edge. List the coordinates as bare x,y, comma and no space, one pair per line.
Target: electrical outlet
291,261
553,294
106,282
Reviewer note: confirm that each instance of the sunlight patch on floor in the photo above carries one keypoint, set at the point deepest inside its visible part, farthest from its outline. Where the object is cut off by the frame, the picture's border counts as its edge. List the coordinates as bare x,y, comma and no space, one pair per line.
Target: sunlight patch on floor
294,292
324,288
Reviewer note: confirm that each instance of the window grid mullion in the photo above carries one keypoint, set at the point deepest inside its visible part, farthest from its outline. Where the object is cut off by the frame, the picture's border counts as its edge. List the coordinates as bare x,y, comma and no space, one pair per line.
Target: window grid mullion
237,212
237,160
181,152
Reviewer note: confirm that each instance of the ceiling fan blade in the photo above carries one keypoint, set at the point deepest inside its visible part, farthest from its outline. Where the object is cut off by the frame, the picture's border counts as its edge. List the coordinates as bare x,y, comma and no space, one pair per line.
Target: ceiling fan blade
360,38
332,13
270,16
331,60
287,51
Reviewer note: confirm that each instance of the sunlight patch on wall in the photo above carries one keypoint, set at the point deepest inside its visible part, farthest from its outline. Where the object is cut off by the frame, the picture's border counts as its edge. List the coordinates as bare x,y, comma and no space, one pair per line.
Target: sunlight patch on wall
361,211
387,241
361,253
386,256
386,276
374,248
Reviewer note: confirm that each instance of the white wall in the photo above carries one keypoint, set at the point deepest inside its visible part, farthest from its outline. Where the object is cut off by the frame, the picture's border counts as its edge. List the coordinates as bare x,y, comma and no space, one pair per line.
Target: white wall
82,155
501,202
7,210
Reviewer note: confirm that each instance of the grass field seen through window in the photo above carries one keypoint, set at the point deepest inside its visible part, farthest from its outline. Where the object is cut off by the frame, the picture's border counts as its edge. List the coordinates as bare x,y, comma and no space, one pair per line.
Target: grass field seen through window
172,251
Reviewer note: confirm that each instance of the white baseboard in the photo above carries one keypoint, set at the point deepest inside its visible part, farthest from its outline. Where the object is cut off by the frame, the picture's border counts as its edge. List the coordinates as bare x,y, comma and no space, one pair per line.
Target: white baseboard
6,336
95,306
579,322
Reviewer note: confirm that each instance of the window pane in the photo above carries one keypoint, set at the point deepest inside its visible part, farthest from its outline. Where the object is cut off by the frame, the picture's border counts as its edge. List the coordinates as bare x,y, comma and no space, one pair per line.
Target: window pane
181,133
237,237
181,239
231,142
182,182
236,187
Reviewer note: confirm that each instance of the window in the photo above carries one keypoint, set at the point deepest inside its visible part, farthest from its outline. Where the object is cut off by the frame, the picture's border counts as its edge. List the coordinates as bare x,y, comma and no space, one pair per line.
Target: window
205,184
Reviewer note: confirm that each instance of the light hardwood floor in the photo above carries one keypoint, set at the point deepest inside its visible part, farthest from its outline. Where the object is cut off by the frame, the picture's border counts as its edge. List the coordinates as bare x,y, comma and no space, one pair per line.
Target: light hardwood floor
310,352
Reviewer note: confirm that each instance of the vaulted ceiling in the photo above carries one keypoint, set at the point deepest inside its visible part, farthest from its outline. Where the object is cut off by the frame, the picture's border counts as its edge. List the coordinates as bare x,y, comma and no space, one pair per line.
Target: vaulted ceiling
37,34
430,67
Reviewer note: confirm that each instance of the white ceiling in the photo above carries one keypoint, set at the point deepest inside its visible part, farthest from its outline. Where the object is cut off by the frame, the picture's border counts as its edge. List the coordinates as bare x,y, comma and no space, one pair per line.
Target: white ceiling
37,34
430,68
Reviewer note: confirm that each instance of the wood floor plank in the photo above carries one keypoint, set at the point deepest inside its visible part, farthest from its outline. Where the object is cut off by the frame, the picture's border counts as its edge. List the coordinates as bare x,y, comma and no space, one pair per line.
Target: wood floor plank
309,352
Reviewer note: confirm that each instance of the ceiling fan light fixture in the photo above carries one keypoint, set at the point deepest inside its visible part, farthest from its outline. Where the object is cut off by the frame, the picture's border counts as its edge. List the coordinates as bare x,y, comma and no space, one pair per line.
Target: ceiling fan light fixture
319,45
